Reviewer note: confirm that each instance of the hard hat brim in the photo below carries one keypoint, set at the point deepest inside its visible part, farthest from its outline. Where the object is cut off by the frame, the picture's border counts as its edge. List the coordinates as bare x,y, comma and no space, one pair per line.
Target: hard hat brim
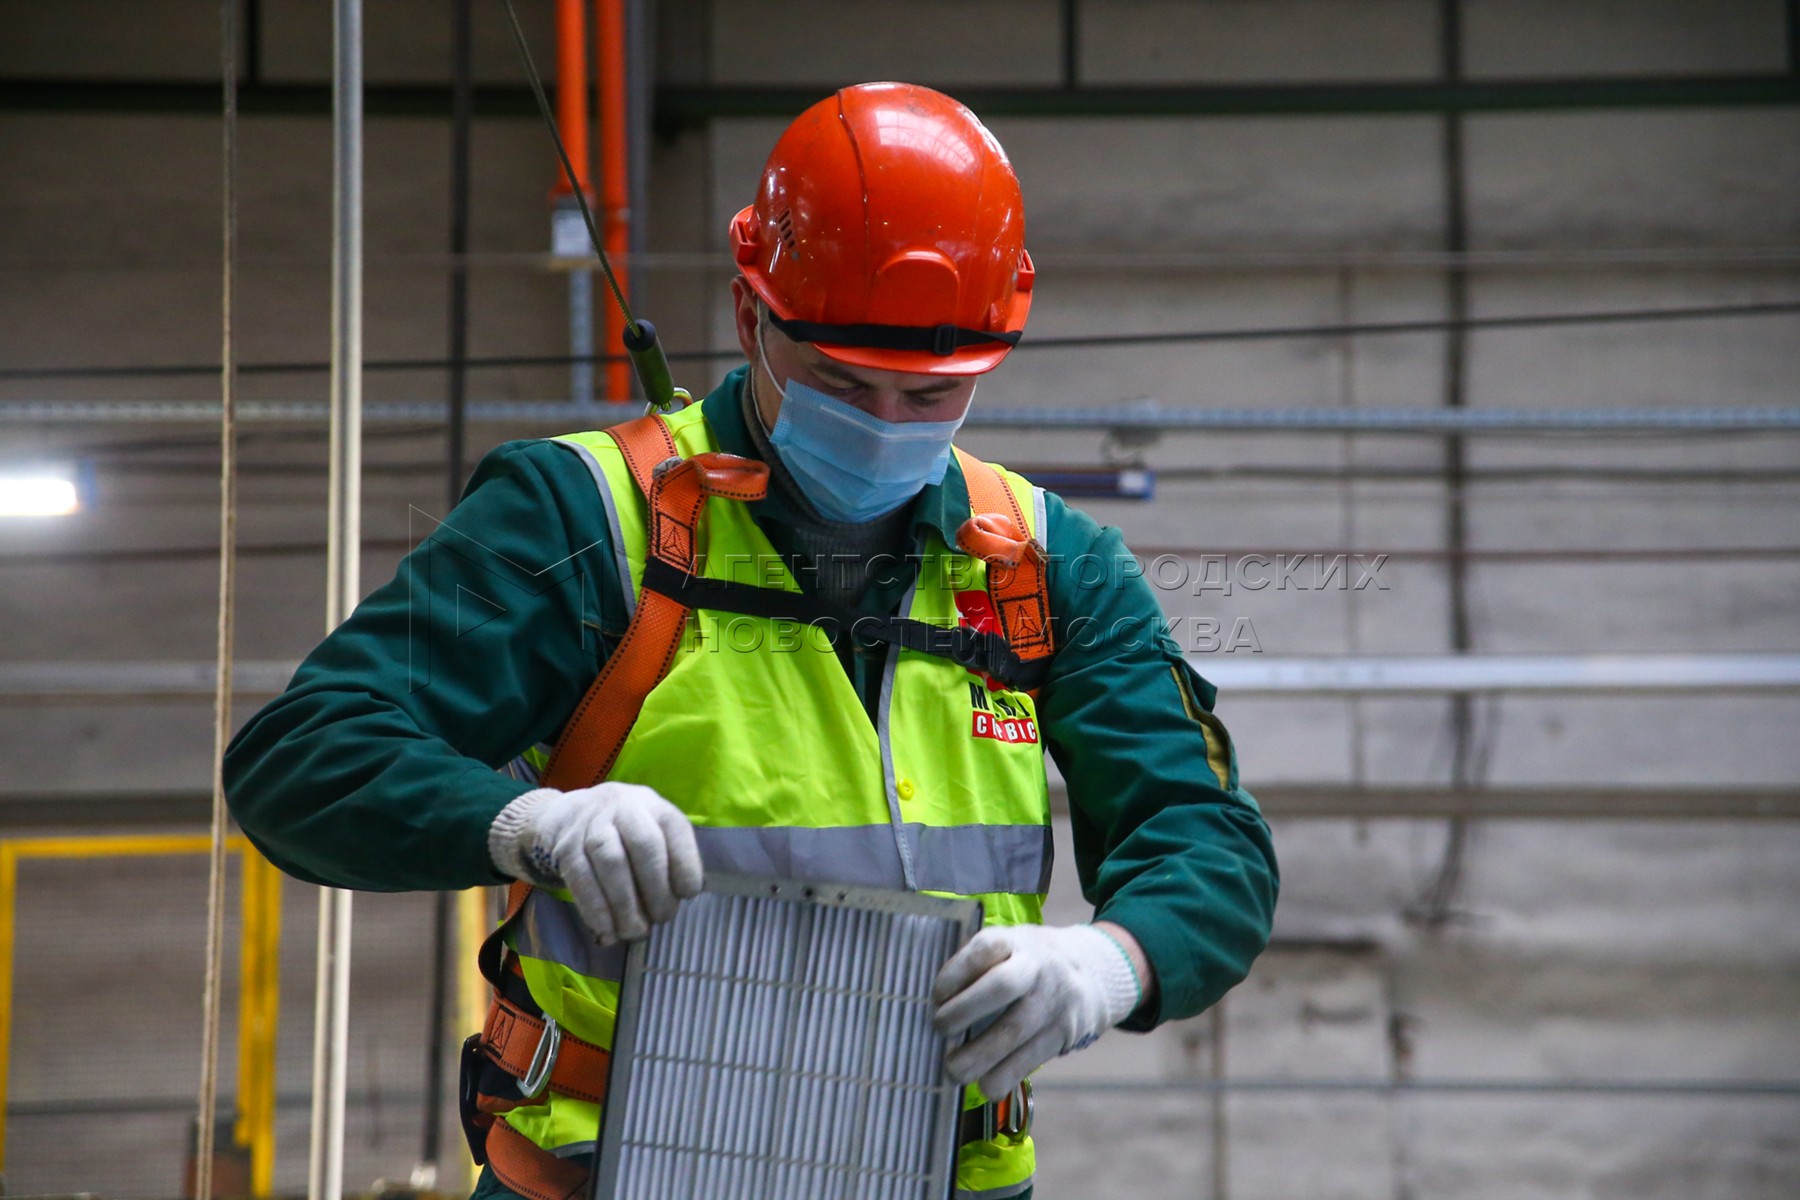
968,361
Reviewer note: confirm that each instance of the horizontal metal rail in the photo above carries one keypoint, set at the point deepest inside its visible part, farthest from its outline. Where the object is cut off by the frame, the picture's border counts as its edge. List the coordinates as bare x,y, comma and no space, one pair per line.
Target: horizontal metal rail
1392,420
1647,1089
178,808
1054,261
679,104
1242,674
1585,556
1361,802
1672,1088
1144,415
172,680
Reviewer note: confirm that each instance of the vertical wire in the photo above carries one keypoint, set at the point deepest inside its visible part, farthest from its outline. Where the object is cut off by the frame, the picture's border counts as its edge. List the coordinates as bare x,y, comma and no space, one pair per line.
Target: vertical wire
214,986
1434,905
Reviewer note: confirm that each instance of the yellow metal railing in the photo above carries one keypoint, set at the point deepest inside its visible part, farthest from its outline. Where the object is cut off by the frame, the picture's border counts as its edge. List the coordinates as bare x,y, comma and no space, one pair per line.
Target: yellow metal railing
258,977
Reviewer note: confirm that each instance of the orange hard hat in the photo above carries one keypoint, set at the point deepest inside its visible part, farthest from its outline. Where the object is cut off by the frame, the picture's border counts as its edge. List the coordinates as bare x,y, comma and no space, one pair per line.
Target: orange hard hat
889,232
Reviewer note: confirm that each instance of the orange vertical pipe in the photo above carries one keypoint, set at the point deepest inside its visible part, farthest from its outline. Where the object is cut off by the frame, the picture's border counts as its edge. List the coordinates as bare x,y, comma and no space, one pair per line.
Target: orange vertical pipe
571,93
615,189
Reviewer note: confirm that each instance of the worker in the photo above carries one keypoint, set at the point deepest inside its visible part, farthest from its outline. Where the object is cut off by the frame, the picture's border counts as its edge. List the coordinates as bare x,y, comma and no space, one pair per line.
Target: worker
881,270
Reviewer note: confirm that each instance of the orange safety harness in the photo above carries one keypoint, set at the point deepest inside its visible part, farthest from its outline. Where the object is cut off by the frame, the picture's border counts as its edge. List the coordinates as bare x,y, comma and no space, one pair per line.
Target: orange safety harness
519,1054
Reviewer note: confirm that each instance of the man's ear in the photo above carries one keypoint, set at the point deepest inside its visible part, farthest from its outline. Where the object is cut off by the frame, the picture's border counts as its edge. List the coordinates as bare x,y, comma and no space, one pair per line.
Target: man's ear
744,317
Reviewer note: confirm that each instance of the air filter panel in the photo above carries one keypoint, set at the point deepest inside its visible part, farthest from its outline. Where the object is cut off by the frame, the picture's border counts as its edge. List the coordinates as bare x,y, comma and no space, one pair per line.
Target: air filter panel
775,1040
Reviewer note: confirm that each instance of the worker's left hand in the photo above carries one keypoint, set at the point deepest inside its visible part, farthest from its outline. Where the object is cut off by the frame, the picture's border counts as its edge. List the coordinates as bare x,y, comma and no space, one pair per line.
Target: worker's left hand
1054,988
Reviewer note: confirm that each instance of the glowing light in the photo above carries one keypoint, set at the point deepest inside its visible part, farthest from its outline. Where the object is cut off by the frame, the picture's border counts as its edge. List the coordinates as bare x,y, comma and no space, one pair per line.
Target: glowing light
38,494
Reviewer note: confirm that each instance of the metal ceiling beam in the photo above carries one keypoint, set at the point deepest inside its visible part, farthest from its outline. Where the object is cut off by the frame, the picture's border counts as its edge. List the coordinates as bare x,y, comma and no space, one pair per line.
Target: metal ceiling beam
1290,802
678,105
180,98
1429,674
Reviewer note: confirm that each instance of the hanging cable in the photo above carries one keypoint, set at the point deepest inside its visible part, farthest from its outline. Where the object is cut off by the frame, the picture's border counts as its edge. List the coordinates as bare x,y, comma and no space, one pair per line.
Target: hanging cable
1434,906
1265,333
214,987
641,345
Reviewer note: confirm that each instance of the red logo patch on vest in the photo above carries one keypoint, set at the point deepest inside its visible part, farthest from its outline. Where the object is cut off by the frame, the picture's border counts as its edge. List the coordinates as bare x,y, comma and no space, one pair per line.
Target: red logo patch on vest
1004,729
1000,718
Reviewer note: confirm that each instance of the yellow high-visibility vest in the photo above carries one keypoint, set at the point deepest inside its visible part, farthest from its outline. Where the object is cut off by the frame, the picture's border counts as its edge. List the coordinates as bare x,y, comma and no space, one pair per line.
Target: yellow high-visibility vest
758,735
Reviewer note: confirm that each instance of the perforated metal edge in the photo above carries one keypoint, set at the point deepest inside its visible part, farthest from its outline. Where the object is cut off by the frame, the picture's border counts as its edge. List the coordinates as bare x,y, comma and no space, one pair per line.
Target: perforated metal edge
965,914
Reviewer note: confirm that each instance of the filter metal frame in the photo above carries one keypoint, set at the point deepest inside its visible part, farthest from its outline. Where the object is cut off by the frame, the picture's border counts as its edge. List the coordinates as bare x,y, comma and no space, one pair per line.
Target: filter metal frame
936,1172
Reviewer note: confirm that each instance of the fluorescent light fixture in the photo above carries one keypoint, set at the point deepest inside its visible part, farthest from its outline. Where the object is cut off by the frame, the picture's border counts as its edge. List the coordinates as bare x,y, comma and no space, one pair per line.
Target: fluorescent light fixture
1099,483
42,490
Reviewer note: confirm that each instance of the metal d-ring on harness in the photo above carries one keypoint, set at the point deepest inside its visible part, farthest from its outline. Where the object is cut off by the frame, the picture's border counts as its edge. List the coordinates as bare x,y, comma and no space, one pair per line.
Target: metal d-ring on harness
543,1060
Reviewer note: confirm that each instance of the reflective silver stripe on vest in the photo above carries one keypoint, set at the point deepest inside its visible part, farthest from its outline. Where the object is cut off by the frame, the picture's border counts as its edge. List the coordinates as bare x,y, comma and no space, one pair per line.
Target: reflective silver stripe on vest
964,859
1004,1192
548,929
884,707
612,521
967,860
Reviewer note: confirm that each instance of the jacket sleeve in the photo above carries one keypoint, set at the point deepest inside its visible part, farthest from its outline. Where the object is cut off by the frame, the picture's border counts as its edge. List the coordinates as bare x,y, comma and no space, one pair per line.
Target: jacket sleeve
1167,842
375,769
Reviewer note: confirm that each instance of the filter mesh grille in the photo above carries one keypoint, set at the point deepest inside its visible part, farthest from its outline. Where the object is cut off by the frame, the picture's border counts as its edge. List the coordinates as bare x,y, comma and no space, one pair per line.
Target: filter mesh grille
775,1040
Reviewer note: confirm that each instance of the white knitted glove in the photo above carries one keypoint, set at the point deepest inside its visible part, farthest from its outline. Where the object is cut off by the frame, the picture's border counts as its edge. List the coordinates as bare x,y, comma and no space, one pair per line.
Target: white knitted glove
626,855
1054,988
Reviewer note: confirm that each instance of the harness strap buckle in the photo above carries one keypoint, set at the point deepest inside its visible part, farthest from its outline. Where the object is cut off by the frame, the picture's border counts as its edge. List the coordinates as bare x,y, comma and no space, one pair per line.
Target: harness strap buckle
543,1060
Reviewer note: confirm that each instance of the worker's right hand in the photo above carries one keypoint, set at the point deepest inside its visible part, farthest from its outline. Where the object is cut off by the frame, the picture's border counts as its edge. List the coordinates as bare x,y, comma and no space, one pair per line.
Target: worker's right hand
626,855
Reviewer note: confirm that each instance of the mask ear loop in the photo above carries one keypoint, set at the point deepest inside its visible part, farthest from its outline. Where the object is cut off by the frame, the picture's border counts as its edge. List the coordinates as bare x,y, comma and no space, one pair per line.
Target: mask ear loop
762,347
762,360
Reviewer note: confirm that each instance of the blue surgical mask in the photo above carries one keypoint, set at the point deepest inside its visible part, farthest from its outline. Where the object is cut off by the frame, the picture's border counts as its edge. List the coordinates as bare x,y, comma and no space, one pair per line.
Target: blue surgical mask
852,466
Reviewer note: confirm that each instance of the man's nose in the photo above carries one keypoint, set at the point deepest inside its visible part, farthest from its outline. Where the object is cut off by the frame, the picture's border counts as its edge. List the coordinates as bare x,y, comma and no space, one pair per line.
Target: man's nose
885,405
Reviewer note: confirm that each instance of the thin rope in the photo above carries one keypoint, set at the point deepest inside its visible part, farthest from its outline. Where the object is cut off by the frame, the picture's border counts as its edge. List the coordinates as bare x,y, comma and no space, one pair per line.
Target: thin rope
212,1001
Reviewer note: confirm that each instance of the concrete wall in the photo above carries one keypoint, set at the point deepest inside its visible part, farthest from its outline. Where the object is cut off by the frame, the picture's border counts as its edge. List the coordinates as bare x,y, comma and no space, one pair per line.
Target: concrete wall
1598,952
